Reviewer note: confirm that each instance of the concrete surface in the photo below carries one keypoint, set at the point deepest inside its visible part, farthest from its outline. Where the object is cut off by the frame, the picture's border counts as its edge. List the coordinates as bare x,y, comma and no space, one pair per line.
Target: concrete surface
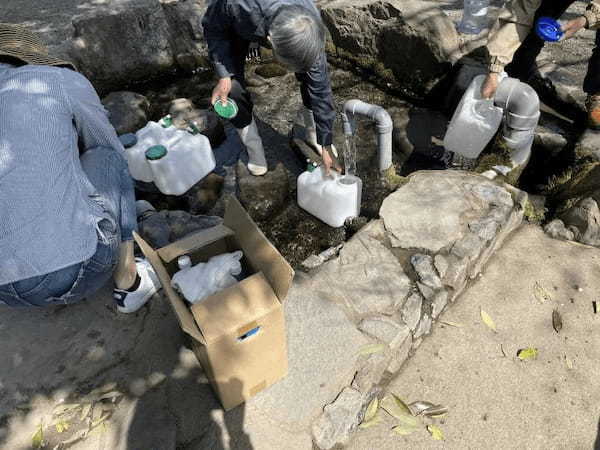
500,402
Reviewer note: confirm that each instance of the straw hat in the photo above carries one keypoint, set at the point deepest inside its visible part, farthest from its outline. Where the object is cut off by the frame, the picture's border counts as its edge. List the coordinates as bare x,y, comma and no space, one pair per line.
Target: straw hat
17,42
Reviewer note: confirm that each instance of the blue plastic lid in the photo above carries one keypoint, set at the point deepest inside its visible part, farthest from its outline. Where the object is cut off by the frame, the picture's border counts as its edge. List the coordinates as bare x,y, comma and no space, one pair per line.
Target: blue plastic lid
128,140
548,29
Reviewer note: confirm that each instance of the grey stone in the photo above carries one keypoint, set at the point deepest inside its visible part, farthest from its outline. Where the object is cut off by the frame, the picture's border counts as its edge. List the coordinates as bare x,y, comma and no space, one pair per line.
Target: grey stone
439,303
386,330
557,230
204,195
371,371
425,290
411,311
424,327
469,247
418,217
441,264
486,228
263,197
322,355
588,145
423,265
127,111
400,356
367,277
339,420
413,39
551,137
585,216
314,261
183,223
456,276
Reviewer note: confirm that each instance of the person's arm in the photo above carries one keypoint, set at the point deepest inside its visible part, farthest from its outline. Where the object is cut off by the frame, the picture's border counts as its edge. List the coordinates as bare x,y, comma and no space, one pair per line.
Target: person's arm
89,115
316,90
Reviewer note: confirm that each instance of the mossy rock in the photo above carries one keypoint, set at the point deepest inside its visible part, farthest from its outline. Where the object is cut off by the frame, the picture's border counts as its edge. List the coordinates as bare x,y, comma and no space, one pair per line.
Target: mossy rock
392,180
271,70
499,154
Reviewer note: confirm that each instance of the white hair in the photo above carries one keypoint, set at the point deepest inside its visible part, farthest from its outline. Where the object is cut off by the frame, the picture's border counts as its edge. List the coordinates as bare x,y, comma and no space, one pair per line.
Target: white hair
297,36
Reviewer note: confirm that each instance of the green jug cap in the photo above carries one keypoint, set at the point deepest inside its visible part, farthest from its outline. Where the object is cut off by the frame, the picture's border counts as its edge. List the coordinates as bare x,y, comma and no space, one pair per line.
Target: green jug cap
227,111
156,152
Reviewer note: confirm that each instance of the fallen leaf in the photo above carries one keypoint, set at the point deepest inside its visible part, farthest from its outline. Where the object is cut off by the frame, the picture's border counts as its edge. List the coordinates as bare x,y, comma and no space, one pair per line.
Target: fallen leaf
540,293
369,423
451,324
85,411
38,438
556,321
419,406
435,432
404,429
62,426
527,353
398,410
487,320
371,410
370,349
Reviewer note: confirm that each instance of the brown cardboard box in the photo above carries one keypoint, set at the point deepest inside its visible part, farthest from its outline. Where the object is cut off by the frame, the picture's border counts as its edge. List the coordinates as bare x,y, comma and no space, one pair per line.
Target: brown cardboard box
237,334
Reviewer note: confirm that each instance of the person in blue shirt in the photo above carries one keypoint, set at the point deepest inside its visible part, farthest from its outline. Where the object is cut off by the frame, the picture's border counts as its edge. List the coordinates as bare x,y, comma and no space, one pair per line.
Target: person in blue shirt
66,195
295,32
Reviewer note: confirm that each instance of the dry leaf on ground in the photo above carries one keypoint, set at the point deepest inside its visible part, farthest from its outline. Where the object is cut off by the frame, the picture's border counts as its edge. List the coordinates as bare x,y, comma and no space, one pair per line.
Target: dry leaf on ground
540,293
371,409
487,320
405,429
38,438
436,432
569,362
398,410
369,423
556,321
525,354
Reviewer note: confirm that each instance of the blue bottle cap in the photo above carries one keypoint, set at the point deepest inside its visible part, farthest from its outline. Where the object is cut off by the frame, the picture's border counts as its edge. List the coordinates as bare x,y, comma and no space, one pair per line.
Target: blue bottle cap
548,29
128,140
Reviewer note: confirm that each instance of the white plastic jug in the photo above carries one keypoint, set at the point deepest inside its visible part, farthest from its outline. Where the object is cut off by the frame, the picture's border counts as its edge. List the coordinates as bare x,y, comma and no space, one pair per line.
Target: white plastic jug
474,17
182,161
150,135
474,122
333,199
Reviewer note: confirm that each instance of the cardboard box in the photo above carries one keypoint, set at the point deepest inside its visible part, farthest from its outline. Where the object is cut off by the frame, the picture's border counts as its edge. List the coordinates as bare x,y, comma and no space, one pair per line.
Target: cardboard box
237,334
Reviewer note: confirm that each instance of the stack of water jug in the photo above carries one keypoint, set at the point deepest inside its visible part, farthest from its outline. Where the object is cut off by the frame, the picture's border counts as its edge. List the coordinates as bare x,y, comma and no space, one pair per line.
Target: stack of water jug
173,159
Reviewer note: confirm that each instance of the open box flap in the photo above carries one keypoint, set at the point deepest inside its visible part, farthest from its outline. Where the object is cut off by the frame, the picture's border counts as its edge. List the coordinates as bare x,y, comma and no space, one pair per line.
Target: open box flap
260,252
193,242
184,316
235,310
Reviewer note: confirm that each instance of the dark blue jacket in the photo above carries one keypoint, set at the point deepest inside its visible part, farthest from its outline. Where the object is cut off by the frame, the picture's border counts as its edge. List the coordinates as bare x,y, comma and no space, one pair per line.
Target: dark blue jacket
249,20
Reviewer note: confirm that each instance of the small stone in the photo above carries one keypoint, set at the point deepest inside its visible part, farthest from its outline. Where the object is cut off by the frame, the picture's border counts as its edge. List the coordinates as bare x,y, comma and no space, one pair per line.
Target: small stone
203,196
585,216
441,264
312,262
426,291
456,274
557,230
486,228
385,330
154,228
371,371
424,327
182,223
127,111
411,311
339,420
400,356
423,265
469,247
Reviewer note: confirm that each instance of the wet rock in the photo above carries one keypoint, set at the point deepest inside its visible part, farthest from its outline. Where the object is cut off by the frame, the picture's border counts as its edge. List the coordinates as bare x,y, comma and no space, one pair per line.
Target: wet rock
551,137
411,311
203,196
423,265
184,113
385,330
127,111
585,216
339,420
119,46
557,230
263,197
271,70
411,43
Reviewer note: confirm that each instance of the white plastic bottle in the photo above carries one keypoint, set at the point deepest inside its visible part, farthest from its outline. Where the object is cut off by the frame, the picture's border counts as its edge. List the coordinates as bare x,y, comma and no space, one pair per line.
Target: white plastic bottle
474,18
148,136
333,199
474,122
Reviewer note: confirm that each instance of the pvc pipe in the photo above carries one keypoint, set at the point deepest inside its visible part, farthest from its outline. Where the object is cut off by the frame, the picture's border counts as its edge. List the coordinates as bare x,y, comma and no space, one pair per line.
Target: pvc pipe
384,127
522,112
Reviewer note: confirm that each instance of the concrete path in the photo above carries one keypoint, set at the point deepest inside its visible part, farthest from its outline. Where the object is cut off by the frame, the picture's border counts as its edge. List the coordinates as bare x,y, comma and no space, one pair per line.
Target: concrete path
500,402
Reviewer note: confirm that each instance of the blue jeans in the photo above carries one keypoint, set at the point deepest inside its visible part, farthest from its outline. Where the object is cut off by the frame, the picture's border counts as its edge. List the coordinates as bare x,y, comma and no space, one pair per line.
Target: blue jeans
107,170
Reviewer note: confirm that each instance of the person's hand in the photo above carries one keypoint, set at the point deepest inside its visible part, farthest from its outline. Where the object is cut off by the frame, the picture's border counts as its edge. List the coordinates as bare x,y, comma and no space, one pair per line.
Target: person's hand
221,91
490,85
572,26
329,160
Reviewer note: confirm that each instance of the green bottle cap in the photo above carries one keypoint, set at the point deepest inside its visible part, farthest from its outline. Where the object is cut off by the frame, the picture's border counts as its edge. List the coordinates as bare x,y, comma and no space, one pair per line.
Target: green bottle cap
166,121
227,111
311,167
156,152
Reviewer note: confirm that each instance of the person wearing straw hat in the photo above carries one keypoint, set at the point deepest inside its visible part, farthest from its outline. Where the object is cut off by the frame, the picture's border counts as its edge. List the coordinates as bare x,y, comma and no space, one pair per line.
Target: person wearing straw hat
295,32
67,220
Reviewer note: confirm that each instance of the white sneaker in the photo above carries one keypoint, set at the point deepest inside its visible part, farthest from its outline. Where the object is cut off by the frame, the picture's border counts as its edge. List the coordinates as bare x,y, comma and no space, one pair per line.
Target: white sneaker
131,301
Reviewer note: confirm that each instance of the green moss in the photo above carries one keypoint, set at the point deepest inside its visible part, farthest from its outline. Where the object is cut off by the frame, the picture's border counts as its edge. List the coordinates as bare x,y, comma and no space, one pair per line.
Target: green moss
392,180
271,70
582,179
533,214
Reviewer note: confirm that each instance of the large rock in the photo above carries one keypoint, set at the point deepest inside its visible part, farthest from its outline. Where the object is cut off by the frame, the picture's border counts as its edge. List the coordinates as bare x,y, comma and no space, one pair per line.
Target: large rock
585,217
263,197
127,111
410,41
121,47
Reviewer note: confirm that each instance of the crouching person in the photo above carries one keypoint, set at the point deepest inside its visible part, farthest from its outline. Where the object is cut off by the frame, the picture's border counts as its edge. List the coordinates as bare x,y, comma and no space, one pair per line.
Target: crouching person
67,221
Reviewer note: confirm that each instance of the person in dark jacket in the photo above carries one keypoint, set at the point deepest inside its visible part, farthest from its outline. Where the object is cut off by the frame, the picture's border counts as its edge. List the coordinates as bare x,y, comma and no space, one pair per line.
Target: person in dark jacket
295,32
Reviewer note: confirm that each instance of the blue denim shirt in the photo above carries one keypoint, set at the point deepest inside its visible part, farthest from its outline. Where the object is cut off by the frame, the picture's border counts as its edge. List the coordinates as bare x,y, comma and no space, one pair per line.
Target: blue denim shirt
249,20
48,216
